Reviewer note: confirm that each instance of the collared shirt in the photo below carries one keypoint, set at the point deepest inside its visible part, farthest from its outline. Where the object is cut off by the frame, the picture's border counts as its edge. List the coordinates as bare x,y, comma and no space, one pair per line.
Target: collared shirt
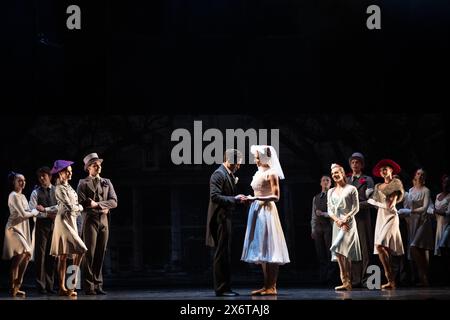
98,178
228,170
98,195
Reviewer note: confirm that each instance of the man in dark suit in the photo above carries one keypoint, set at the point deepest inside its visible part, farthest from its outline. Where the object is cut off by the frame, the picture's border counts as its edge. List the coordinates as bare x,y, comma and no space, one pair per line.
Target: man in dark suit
322,231
222,202
365,186
43,199
98,197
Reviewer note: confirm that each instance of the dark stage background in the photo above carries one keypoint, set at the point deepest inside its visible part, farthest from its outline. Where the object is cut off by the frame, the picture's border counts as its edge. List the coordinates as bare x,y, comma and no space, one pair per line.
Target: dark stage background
214,56
138,70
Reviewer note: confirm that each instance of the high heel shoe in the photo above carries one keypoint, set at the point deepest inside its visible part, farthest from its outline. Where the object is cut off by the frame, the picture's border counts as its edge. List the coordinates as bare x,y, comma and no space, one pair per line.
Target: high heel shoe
258,292
346,285
16,292
269,292
67,293
72,293
391,282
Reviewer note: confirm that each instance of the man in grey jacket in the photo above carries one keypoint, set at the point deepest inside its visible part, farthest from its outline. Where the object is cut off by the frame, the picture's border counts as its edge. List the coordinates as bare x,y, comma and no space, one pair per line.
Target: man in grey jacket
98,197
365,186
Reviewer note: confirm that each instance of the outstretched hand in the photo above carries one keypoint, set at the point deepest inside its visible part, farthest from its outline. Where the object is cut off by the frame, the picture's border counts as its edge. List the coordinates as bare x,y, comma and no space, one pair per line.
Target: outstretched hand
241,198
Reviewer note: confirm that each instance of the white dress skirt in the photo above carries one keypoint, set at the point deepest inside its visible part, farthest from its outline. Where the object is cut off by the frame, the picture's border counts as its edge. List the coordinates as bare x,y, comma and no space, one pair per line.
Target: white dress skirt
264,238
420,230
345,243
442,223
387,228
18,237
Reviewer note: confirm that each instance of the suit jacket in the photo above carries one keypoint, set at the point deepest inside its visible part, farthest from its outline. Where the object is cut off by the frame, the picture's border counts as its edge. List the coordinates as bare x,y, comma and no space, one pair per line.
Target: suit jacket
222,190
86,191
362,183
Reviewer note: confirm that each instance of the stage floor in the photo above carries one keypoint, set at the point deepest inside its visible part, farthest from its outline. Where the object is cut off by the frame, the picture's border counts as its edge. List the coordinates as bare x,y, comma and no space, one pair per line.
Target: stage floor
435,293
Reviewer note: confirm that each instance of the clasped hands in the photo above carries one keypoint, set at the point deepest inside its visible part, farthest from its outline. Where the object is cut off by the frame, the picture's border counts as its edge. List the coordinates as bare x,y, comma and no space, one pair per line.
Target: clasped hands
50,214
245,199
342,223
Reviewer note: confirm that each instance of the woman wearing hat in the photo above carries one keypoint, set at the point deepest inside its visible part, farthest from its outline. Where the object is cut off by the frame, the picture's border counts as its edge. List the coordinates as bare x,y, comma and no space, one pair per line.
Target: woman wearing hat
65,240
343,204
420,230
386,195
18,243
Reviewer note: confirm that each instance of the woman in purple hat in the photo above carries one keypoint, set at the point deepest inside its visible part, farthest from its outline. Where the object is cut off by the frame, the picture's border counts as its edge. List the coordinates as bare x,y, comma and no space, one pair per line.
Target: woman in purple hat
65,240
388,240
18,243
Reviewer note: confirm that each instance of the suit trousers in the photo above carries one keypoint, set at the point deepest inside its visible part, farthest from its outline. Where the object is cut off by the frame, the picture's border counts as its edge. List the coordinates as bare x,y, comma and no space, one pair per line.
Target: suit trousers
365,233
95,237
322,241
45,263
222,255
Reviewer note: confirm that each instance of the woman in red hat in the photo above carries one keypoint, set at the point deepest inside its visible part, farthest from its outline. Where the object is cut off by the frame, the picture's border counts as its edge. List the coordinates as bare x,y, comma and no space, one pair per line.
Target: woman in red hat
65,240
388,240
420,230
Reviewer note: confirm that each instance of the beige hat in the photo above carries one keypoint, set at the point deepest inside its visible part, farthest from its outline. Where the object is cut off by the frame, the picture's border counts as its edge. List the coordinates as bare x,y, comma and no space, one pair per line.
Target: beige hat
89,159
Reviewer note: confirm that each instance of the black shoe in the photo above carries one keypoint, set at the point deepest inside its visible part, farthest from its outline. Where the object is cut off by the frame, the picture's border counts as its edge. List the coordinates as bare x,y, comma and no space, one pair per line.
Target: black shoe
227,294
100,291
43,291
90,293
51,291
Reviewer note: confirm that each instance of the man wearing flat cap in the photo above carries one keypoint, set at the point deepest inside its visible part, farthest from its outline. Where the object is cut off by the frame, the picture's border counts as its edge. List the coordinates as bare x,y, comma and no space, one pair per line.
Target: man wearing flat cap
364,184
97,196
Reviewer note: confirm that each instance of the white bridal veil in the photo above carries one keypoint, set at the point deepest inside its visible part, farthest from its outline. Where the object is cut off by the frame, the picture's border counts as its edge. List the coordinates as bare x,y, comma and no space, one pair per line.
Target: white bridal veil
271,160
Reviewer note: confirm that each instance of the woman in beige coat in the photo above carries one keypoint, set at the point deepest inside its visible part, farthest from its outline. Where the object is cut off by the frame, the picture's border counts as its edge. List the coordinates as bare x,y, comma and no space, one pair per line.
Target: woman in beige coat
18,245
65,240
388,239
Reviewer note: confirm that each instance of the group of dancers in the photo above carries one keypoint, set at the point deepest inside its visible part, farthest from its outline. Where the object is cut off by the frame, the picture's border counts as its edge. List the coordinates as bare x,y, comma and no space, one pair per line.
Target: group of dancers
351,240
341,225
340,222
56,210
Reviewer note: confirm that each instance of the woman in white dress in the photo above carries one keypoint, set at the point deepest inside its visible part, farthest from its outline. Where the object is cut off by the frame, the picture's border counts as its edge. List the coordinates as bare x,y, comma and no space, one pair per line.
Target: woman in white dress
442,213
65,240
343,204
388,240
264,238
420,230
17,246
